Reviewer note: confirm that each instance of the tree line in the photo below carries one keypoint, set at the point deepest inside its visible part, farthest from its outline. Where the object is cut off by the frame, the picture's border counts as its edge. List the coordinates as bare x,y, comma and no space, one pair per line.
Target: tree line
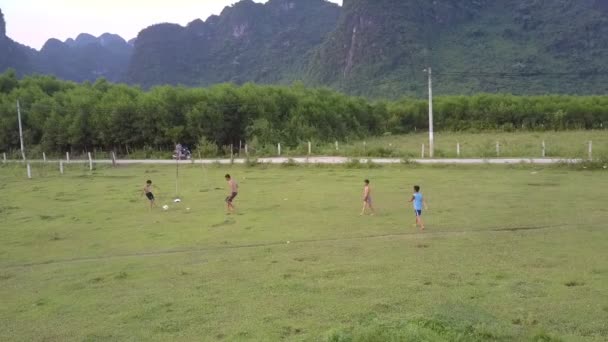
61,116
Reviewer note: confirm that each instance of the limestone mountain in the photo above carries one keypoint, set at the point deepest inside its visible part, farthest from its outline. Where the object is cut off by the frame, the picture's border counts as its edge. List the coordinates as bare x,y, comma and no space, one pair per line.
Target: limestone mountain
380,47
266,43
374,48
12,54
85,58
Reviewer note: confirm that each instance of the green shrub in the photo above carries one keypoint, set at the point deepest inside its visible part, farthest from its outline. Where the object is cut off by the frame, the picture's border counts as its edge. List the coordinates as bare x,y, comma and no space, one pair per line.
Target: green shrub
206,148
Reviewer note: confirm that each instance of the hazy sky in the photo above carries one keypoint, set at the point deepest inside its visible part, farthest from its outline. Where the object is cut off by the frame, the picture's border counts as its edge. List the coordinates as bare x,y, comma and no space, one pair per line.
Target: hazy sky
32,22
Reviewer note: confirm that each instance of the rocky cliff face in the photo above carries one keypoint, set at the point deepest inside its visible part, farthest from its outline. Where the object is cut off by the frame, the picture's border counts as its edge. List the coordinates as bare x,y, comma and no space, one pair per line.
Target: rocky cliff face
13,55
381,46
247,42
2,25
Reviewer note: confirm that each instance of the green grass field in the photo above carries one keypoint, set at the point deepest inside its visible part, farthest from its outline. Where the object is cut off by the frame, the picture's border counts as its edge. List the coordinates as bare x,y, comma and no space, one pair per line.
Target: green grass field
511,254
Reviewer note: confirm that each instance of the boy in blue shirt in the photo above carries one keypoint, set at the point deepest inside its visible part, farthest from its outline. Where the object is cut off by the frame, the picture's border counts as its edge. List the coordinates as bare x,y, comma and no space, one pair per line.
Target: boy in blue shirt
419,202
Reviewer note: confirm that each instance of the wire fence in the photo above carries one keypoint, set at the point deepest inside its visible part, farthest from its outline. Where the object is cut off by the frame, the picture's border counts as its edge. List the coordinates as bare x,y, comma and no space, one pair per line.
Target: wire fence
384,148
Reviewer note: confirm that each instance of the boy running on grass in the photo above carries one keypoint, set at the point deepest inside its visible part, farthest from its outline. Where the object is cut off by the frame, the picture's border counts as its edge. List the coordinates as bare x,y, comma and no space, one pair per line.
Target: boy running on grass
234,191
367,199
148,192
419,202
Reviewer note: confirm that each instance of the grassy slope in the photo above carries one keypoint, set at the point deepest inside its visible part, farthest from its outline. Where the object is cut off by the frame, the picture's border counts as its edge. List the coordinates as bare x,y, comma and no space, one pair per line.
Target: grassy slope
82,259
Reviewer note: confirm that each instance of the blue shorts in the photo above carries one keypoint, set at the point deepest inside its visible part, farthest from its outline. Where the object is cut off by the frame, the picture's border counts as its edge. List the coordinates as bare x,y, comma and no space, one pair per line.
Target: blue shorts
418,212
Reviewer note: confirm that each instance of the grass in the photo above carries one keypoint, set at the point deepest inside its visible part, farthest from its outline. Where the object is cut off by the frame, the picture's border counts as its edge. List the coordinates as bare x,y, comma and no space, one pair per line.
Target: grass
511,254
563,144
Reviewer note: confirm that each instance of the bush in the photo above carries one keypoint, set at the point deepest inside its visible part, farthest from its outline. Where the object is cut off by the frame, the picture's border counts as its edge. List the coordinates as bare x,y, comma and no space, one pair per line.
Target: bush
251,162
290,163
353,164
381,152
206,148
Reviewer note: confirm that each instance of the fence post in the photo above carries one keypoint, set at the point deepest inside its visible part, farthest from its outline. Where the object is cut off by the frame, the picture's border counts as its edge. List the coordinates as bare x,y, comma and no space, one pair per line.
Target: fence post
337,146
458,149
61,166
29,171
590,150
422,151
246,150
4,158
365,146
44,156
67,156
497,149
309,148
231,154
113,159
544,149
90,162
279,149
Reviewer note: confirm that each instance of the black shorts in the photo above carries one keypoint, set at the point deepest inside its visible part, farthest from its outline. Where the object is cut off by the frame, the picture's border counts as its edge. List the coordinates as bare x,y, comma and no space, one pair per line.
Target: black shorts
230,198
150,196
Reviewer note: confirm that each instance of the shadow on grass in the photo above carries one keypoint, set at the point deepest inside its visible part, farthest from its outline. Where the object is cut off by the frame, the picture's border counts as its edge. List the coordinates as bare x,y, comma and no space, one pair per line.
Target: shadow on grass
226,222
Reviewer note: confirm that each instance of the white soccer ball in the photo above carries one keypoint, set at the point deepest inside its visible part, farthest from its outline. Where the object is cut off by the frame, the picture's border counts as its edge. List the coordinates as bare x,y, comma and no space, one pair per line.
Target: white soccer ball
177,200
165,207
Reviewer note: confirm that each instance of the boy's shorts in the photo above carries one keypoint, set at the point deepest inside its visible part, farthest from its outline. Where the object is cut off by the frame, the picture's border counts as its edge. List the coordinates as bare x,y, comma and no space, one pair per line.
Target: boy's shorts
368,200
150,196
230,198
418,212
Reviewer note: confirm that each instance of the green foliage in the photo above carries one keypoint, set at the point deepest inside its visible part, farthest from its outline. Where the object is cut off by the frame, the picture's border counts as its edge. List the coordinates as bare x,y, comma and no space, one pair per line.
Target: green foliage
380,47
248,42
358,164
373,48
290,163
206,148
63,116
251,162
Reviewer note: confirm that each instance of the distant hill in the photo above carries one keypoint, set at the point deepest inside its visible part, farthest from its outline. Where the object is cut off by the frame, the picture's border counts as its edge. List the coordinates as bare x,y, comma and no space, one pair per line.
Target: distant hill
85,58
374,48
380,47
266,43
14,55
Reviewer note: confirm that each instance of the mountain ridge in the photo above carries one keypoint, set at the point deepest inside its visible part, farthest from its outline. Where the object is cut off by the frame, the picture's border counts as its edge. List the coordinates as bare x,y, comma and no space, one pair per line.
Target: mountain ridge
248,41
85,58
473,38
374,48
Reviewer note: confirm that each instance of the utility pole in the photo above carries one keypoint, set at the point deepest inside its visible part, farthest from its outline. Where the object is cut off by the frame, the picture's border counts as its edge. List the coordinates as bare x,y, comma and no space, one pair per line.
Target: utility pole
20,130
431,129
